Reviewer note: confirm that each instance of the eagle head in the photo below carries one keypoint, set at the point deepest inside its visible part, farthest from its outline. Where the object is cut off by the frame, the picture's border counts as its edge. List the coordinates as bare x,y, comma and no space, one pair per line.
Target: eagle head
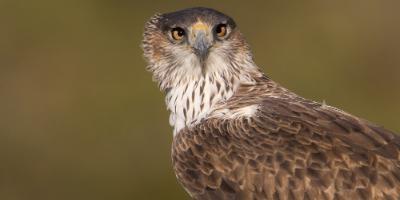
190,44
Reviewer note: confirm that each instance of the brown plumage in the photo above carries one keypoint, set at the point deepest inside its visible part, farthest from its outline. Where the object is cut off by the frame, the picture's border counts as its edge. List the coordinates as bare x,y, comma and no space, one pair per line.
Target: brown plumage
291,149
249,138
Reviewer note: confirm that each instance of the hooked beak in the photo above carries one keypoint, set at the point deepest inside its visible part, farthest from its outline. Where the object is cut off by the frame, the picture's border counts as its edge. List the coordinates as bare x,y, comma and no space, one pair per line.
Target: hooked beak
201,41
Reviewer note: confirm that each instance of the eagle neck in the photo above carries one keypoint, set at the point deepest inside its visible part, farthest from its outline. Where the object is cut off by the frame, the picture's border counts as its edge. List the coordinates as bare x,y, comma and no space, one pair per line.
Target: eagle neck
192,101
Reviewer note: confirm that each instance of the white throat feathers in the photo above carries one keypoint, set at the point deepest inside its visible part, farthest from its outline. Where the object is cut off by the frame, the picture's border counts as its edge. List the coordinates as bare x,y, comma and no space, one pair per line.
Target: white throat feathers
199,62
192,100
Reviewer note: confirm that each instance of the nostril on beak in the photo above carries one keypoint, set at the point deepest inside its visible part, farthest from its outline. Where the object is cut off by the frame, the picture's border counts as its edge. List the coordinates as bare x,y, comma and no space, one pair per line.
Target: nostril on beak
201,45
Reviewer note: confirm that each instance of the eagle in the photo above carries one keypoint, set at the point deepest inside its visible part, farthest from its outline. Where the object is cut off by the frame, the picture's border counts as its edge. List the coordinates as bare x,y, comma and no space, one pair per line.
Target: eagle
237,134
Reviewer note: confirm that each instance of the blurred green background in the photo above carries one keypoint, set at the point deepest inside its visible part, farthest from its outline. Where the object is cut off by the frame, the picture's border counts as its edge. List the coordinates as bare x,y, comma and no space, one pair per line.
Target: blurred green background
81,119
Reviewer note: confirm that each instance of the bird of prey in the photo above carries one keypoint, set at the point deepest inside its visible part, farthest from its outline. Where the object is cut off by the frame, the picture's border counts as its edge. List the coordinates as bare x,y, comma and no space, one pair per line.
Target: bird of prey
240,135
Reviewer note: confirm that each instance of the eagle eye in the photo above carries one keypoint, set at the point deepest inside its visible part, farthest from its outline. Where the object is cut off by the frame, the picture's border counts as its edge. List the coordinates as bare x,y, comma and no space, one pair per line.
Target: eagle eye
221,30
177,33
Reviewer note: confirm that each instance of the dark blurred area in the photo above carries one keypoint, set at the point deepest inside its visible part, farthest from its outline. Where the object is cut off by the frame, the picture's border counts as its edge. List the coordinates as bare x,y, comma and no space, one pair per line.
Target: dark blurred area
81,118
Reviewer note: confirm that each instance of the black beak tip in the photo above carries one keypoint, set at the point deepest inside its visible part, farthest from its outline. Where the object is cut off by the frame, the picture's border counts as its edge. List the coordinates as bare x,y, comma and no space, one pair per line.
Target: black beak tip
202,53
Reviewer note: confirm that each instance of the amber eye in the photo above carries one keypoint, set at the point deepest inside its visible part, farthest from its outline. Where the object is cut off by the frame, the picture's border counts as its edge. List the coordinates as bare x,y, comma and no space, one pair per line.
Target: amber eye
177,33
220,30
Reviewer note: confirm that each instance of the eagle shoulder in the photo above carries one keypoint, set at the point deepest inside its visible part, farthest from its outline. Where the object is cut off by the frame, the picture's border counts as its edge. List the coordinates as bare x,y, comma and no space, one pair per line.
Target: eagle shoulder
291,148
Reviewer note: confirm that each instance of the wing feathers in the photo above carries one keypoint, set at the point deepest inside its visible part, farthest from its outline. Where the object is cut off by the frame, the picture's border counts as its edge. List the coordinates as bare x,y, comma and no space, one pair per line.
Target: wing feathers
291,149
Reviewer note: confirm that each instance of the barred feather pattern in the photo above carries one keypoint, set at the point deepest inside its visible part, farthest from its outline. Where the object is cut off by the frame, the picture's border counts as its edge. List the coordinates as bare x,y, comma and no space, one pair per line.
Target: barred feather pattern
192,90
291,148
239,135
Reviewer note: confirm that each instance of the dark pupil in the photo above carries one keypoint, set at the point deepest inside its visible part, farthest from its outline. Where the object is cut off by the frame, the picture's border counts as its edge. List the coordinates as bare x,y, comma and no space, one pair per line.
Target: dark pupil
180,31
219,28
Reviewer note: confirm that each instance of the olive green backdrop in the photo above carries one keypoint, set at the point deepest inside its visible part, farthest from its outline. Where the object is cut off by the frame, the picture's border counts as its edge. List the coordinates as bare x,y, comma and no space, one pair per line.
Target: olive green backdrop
81,119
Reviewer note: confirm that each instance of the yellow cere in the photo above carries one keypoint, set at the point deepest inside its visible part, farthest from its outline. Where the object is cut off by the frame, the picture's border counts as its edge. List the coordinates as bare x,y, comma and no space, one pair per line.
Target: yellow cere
200,26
